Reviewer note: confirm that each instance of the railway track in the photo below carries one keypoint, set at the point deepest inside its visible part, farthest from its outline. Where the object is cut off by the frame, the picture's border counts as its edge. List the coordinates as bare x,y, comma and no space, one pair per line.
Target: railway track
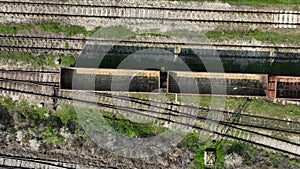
44,82
245,120
43,76
74,45
8,161
61,10
215,127
34,84
240,129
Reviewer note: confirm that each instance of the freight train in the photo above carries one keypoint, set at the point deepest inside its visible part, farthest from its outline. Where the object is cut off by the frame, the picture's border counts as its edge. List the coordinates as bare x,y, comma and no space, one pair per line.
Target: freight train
175,82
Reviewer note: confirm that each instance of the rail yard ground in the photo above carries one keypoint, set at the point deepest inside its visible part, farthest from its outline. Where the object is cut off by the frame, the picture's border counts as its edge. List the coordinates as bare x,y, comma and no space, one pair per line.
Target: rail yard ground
254,134
50,131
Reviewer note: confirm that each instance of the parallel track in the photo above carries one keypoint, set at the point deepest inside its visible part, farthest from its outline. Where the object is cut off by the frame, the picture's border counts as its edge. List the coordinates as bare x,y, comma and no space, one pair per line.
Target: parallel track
30,81
34,79
61,10
242,134
18,162
148,14
23,162
237,127
73,45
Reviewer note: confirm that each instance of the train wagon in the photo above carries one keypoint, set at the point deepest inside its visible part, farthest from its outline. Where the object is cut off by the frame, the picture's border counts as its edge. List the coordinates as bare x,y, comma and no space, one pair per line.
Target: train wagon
204,83
284,87
109,80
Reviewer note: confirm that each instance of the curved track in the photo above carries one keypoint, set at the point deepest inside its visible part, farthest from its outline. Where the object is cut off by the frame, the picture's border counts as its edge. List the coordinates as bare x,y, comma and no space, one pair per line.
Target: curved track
241,129
236,131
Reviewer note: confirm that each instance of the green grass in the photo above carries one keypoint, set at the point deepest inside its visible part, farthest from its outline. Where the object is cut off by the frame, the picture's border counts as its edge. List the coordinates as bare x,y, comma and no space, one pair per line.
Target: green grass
257,106
66,114
191,141
38,118
68,30
199,149
252,155
24,109
118,123
268,108
117,32
55,28
23,58
144,96
51,137
256,34
120,32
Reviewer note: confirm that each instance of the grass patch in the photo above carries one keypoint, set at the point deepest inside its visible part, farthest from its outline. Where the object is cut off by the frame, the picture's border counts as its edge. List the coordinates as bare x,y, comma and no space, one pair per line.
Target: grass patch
257,106
63,116
162,96
24,109
268,108
199,156
24,58
105,121
256,34
66,114
191,141
117,32
40,120
51,137
55,28
252,155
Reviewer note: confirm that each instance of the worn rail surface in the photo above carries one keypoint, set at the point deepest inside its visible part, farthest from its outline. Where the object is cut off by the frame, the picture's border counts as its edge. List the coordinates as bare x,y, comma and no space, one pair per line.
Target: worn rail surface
62,10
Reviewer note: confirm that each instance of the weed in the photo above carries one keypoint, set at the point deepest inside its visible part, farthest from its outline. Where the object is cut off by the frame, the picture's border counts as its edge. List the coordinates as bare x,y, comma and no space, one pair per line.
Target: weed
255,34
23,58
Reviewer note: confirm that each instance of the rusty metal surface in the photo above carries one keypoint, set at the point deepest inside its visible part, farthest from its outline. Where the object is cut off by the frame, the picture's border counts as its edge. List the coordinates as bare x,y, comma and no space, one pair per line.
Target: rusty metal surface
109,80
145,81
288,87
224,83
